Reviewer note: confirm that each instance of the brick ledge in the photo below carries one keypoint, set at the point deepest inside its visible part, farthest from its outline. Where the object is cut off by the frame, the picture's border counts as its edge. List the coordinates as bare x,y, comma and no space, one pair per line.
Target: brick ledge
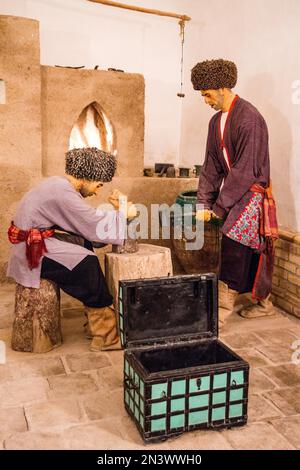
289,235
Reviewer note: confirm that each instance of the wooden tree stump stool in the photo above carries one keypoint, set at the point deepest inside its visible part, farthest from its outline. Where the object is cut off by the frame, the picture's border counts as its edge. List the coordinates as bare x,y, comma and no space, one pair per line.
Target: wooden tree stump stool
149,261
36,326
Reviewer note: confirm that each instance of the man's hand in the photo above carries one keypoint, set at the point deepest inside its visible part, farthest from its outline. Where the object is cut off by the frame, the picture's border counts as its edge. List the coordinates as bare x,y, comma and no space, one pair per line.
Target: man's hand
205,215
114,198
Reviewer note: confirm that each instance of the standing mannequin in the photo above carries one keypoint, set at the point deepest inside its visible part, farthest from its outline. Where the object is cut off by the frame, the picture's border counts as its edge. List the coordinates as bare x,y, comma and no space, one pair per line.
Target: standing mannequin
234,185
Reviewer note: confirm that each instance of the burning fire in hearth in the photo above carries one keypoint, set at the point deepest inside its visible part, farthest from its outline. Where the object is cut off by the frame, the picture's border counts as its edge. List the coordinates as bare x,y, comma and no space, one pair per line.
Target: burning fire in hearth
93,129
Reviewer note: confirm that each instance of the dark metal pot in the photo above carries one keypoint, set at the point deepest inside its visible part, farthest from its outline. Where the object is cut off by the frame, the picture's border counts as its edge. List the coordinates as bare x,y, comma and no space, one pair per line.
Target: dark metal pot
205,259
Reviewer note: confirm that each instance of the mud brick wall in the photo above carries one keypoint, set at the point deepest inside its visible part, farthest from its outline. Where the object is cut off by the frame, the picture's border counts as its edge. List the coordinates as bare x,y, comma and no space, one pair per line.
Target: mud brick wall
20,119
286,278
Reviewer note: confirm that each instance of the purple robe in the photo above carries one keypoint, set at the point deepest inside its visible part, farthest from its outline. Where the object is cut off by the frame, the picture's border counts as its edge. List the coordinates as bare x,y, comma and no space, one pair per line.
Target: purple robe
54,202
246,141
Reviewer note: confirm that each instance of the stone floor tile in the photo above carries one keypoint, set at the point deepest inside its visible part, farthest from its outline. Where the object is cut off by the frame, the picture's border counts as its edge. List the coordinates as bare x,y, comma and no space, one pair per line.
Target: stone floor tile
256,436
116,358
71,345
7,291
287,375
164,445
40,366
102,405
259,409
237,324
6,320
53,413
258,382
289,428
11,420
244,340
111,424
129,430
295,328
88,361
200,440
35,441
287,400
92,436
276,354
254,357
110,378
25,391
7,305
132,437
6,372
72,384
5,335
277,337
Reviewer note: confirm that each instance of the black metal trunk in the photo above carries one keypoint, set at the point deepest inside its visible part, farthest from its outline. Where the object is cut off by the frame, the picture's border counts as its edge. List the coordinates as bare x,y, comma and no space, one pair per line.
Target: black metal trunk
177,375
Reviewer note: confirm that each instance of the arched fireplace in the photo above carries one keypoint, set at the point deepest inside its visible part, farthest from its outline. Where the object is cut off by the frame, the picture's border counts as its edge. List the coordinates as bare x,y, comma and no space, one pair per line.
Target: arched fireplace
93,129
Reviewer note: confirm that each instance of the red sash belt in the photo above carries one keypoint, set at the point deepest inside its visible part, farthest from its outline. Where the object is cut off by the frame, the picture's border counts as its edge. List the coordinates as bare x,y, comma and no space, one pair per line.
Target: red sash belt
35,244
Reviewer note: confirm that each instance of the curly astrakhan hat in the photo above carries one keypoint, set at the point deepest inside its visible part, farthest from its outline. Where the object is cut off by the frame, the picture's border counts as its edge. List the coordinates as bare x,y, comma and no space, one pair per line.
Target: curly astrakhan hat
214,74
90,164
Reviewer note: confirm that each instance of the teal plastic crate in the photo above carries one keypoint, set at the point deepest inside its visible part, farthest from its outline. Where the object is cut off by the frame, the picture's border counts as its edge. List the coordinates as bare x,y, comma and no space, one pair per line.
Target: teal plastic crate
178,376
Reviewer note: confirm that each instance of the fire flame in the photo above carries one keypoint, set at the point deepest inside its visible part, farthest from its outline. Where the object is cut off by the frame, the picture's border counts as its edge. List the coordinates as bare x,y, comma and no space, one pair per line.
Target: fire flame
93,129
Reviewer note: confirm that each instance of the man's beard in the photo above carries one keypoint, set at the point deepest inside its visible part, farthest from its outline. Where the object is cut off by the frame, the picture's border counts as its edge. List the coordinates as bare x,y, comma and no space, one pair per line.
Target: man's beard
216,107
85,193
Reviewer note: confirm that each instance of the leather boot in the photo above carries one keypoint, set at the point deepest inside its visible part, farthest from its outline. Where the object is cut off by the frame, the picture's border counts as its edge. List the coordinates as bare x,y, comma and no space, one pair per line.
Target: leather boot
227,298
103,326
263,308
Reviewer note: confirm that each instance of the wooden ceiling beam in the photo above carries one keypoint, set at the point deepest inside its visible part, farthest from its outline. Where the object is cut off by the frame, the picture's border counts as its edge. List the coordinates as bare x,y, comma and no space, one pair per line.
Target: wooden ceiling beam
141,9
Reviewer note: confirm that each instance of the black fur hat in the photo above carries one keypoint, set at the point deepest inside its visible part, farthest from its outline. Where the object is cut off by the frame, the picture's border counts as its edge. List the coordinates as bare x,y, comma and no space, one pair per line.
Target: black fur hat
214,74
90,164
